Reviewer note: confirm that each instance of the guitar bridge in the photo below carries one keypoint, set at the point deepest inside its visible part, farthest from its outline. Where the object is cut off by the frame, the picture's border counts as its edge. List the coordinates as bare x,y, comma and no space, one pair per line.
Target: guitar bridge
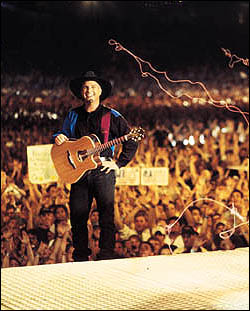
71,162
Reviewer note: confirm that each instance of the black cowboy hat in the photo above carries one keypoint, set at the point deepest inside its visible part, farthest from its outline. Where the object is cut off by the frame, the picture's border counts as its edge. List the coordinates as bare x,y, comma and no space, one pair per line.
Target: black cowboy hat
76,84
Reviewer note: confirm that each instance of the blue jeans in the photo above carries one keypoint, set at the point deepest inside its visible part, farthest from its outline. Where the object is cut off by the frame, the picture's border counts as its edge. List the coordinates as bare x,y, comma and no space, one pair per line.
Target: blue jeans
101,186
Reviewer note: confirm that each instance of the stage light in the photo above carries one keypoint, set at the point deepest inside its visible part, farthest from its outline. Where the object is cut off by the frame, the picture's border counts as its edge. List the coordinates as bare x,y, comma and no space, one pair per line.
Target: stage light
186,103
224,130
215,132
191,140
170,136
202,139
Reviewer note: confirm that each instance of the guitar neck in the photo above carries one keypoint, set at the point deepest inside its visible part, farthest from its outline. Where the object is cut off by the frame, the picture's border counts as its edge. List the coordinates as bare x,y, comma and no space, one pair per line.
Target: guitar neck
107,145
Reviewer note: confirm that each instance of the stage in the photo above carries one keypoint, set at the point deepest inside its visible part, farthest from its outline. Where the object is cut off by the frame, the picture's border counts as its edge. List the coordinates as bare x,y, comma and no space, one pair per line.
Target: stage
216,280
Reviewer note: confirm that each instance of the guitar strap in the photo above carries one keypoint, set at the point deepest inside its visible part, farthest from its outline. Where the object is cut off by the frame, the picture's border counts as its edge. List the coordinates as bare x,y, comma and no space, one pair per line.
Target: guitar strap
105,126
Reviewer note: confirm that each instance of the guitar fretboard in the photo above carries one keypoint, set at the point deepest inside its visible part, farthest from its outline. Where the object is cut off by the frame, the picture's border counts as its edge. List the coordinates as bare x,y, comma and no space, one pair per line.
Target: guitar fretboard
109,144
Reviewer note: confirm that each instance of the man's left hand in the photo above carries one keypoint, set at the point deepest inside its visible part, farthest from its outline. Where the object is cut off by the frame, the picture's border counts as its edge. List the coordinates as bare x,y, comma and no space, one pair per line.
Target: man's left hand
107,166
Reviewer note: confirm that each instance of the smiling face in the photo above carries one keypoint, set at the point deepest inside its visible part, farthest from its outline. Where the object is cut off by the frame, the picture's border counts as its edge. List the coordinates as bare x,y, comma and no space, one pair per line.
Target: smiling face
91,91
145,250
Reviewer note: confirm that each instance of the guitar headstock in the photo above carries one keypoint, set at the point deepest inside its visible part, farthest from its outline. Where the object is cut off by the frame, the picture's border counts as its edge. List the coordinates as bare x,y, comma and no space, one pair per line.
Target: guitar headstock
137,134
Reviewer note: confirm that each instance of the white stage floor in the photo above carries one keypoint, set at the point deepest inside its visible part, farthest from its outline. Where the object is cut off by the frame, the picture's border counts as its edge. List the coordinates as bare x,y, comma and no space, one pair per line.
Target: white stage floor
216,280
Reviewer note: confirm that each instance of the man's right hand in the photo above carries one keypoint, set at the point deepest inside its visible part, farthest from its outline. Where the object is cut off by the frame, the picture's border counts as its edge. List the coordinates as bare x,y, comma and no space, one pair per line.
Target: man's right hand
60,139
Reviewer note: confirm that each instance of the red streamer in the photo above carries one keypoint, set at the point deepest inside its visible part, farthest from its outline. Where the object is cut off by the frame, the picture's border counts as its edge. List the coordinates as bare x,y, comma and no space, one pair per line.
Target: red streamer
235,59
216,103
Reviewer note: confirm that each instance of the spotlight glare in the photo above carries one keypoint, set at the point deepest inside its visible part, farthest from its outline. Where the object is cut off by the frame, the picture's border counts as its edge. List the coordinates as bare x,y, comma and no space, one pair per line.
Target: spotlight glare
173,143
202,139
191,140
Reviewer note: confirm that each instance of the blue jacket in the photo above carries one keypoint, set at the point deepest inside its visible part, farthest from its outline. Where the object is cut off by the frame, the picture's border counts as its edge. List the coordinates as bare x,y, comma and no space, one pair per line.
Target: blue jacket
79,122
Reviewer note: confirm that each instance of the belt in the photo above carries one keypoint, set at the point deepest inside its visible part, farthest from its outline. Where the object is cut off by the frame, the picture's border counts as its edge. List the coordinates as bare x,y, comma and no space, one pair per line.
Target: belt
105,159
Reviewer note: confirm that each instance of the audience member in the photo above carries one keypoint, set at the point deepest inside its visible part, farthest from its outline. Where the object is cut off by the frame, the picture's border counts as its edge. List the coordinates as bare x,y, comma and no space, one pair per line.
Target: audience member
207,158
193,242
146,249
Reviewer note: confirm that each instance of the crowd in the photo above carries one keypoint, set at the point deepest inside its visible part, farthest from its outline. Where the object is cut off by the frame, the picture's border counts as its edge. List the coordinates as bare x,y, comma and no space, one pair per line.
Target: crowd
204,207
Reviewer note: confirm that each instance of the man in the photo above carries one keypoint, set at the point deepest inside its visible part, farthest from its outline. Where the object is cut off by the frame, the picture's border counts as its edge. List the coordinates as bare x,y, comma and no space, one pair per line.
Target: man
119,249
156,244
135,242
146,249
141,225
98,183
197,218
94,217
193,243
46,224
174,237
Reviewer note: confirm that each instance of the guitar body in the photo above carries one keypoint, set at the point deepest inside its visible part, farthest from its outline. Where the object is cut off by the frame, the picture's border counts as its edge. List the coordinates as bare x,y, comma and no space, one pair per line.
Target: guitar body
71,160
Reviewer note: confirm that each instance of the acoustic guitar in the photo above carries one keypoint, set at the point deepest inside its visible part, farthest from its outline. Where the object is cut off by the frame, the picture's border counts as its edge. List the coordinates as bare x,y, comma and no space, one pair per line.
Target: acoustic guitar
73,158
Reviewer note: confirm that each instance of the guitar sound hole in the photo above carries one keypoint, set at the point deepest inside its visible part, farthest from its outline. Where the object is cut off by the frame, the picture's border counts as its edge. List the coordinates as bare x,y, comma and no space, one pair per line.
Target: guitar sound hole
82,155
